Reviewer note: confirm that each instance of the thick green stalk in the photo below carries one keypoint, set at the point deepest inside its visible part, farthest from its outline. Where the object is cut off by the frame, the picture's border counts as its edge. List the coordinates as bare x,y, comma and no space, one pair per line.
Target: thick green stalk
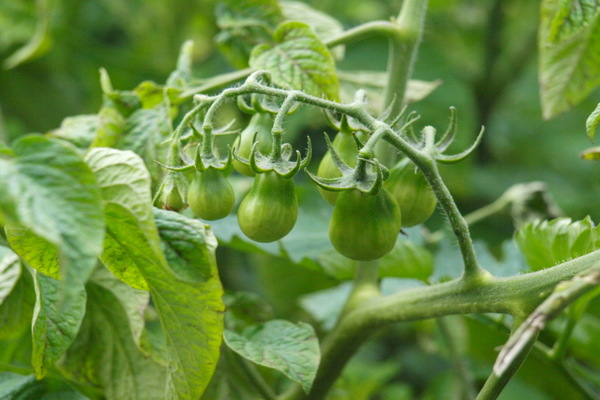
403,47
517,296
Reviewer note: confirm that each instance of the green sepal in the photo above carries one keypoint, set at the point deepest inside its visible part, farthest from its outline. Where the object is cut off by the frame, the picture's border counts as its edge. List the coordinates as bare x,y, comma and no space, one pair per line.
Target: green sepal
277,161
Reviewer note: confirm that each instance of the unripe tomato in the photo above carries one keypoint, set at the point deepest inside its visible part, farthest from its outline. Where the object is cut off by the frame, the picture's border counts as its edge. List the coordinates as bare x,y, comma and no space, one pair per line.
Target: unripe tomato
210,195
261,124
364,227
346,147
172,196
413,194
270,209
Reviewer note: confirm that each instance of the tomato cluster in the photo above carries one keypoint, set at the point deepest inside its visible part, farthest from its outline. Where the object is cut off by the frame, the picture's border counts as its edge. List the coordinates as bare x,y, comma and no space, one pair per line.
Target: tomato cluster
365,223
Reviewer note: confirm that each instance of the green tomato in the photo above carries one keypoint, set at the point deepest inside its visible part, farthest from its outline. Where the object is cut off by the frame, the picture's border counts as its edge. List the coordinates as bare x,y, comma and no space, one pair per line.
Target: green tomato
364,227
261,124
172,198
346,147
210,195
413,194
270,209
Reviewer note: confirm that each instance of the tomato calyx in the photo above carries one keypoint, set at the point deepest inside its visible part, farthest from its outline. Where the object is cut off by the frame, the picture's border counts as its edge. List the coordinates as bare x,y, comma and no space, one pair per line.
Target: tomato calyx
367,176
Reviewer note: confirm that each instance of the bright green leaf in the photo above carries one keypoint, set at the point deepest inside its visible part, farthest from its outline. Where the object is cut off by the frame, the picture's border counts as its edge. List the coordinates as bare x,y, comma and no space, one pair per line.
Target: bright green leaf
548,243
46,178
592,153
110,127
59,312
10,271
290,348
569,43
145,130
191,313
78,130
298,60
185,246
592,121
325,26
36,251
105,354
123,180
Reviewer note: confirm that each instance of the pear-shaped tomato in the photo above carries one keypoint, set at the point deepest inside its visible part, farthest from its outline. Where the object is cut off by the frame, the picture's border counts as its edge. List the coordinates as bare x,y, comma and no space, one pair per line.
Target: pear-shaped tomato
346,147
270,209
174,187
413,194
364,227
210,195
260,124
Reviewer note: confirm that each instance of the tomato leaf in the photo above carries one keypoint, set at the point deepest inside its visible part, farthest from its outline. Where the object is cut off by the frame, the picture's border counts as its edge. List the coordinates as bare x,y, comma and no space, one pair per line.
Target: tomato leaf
290,348
105,354
325,26
191,312
298,60
60,310
79,130
592,122
244,24
145,130
569,44
548,243
10,271
187,248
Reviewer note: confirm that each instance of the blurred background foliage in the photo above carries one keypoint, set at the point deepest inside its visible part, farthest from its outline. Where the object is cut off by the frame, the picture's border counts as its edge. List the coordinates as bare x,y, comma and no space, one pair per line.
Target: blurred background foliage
483,51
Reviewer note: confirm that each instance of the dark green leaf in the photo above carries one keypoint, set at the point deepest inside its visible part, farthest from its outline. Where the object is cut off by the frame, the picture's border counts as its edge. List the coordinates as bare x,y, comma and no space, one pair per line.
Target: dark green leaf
290,348
569,42
298,60
59,312
245,309
16,307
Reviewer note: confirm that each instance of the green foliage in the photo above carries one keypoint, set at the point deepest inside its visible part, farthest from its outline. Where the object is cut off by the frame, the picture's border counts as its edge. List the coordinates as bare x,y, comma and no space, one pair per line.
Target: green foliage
290,348
548,243
102,295
569,41
298,60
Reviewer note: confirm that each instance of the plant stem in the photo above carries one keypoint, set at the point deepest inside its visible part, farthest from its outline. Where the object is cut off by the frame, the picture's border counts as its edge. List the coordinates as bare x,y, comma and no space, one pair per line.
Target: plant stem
366,286
521,341
403,46
516,295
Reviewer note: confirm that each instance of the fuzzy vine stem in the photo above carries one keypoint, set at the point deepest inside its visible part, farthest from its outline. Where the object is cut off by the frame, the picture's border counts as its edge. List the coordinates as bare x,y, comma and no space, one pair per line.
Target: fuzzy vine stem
522,340
517,296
